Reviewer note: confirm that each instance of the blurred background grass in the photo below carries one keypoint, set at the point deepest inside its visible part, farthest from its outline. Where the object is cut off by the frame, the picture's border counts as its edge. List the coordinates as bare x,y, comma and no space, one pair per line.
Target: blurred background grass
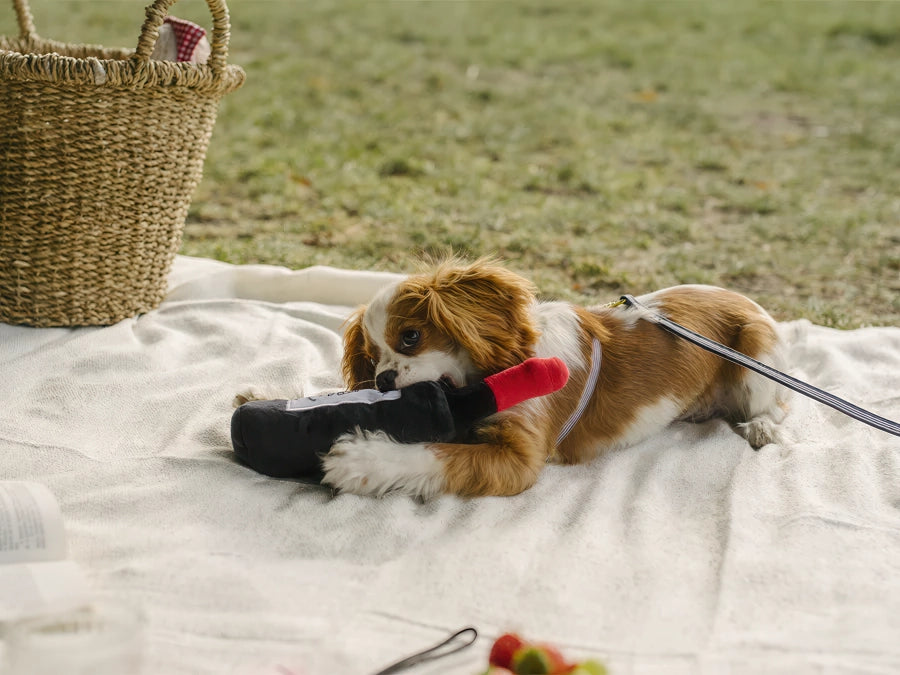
598,147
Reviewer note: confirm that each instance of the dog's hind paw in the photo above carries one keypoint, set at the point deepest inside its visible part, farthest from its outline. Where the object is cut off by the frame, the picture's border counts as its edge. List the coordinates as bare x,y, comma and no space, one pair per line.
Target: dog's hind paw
759,431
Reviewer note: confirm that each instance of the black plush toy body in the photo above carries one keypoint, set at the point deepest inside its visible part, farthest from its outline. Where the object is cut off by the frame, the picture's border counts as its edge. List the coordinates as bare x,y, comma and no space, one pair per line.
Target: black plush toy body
286,439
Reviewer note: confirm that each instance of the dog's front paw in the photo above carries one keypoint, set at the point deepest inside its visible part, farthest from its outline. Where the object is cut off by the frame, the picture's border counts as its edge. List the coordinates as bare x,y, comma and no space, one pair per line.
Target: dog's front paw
349,464
372,463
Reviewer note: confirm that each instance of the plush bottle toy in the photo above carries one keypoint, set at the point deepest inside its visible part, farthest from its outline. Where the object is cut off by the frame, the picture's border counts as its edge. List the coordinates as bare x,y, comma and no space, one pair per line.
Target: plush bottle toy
285,439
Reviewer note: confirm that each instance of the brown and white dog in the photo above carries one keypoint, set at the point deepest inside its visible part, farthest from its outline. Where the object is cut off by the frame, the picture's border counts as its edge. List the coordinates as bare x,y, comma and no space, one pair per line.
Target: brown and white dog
463,321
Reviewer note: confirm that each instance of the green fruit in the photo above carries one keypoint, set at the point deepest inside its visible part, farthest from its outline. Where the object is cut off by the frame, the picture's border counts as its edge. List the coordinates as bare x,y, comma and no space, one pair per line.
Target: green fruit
531,661
590,667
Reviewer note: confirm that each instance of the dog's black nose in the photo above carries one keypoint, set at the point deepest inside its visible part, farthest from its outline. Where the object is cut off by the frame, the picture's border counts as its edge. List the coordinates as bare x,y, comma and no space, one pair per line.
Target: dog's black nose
386,380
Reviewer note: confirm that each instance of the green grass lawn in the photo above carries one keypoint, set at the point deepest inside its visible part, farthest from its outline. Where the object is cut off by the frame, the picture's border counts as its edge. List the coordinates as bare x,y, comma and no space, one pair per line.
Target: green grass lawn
598,147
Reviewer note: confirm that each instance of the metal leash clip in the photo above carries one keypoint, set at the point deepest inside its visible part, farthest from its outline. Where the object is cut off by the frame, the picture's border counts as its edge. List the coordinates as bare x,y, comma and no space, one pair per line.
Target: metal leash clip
440,650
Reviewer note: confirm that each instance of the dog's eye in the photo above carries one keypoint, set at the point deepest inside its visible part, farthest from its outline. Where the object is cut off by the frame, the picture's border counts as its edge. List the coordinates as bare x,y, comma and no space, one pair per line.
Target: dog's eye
409,339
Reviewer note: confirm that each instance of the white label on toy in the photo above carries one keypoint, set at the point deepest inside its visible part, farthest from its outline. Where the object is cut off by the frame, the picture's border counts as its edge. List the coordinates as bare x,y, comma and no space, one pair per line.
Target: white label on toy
341,397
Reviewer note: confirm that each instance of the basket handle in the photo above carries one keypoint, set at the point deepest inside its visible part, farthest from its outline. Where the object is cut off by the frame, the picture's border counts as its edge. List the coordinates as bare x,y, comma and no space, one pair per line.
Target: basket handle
159,10
26,21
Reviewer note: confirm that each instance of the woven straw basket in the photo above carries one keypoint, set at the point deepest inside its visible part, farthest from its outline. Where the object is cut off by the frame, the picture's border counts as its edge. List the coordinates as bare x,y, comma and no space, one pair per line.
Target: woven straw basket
100,153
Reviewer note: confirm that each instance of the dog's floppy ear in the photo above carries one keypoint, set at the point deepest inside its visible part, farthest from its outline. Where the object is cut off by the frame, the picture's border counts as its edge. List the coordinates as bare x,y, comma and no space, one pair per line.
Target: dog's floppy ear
357,365
486,309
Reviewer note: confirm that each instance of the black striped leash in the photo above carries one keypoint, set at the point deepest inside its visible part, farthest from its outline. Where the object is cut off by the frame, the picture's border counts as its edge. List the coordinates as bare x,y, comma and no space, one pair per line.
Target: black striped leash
729,354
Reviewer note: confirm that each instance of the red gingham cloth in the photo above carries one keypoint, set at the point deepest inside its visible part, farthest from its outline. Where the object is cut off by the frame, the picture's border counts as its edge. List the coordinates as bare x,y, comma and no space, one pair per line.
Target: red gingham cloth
187,35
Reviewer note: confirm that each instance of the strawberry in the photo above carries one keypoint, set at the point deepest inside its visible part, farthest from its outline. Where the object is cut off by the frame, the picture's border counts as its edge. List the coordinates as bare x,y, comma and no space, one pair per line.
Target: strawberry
504,648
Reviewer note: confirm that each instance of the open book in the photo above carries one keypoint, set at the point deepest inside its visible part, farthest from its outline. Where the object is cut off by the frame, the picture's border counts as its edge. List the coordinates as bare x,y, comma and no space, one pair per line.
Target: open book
35,575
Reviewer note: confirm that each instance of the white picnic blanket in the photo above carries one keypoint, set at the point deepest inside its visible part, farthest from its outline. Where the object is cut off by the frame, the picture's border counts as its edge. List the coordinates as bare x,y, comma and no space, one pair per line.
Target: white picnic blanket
689,553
